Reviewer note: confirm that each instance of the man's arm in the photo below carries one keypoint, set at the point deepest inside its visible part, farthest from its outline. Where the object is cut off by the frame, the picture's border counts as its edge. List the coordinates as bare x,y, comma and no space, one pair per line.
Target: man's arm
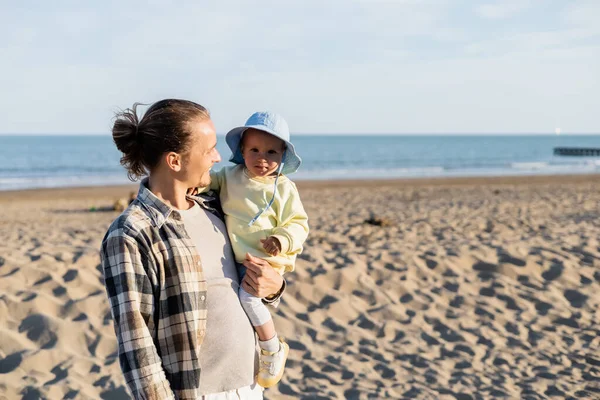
131,299
262,280
273,300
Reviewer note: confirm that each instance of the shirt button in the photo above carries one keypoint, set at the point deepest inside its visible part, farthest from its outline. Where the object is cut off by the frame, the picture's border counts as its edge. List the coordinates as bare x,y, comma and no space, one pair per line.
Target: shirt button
201,332
199,263
203,297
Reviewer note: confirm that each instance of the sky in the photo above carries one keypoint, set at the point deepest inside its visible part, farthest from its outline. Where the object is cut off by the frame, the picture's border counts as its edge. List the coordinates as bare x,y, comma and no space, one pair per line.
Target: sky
337,66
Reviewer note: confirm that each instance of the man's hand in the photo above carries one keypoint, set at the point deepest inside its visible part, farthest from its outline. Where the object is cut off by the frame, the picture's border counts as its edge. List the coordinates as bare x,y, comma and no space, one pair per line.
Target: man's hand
261,279
271,245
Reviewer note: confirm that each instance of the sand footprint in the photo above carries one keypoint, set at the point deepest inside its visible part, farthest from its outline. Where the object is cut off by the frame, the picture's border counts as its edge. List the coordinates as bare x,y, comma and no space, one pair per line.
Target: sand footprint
555,271
70,275
39,330
59,373
11,362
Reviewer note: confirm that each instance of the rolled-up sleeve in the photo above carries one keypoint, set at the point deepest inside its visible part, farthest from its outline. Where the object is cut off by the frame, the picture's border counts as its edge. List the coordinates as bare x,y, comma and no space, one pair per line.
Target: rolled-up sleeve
274,301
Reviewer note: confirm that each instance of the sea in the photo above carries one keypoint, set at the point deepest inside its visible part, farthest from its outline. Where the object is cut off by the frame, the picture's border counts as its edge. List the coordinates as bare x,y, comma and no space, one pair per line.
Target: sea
49,161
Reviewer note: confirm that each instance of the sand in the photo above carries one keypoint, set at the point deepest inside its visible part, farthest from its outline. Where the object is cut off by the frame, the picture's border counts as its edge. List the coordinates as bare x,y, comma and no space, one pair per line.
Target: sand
467,288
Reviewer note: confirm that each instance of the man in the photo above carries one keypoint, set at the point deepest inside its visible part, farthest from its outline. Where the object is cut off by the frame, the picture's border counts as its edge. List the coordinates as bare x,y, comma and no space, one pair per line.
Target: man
169,270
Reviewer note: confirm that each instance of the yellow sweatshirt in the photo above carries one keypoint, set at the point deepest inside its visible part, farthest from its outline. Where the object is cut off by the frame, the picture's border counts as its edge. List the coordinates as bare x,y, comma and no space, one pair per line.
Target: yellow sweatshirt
243,197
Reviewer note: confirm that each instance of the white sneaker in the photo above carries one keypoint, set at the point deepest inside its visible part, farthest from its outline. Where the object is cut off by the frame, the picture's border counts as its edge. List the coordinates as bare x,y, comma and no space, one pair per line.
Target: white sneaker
272,365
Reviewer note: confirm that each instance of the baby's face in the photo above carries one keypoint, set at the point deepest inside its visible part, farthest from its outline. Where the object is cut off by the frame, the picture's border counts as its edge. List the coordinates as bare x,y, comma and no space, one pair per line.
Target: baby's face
262,152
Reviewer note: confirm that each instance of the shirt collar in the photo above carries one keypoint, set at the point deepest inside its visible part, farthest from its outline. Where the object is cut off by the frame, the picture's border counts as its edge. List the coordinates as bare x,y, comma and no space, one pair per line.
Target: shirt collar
157,209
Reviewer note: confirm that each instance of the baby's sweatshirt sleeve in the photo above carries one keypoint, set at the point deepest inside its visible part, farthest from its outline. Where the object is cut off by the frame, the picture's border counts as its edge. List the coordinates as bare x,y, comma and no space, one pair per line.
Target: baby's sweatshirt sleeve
293,229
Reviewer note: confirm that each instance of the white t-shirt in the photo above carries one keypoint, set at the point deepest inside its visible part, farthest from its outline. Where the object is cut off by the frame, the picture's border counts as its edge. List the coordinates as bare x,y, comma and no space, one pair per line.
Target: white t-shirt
229,347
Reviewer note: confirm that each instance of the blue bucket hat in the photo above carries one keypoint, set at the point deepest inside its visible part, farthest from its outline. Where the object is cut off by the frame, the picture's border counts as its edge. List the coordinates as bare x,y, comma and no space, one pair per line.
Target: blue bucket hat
270,123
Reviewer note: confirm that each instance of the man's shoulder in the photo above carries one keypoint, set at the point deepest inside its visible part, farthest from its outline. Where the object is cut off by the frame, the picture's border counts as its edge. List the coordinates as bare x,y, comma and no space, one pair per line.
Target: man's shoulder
132,223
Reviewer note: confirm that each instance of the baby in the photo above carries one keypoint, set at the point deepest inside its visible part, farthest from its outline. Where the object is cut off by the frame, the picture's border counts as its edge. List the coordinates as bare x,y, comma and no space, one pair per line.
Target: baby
264,218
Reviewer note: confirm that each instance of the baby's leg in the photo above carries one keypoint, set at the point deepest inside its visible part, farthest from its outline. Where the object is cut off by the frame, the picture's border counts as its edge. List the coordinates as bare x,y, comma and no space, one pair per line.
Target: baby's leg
266,331
259,315
274,351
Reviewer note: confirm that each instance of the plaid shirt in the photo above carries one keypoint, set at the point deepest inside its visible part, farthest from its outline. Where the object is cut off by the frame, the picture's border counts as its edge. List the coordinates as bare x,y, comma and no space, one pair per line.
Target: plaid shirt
157,292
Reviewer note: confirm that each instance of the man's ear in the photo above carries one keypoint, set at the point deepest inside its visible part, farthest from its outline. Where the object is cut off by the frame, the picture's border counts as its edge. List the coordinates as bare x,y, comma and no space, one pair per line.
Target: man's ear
174,161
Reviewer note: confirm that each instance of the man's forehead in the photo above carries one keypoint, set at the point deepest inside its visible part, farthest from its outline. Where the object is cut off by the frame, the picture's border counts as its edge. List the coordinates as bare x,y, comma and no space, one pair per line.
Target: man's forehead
202,130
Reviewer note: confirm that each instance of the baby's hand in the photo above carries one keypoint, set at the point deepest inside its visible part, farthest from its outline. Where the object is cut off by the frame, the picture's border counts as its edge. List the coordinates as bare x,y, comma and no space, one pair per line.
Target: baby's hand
271,245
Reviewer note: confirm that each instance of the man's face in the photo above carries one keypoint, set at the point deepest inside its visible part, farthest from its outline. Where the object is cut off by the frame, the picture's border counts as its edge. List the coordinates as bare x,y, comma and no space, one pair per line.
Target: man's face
202,153
262,152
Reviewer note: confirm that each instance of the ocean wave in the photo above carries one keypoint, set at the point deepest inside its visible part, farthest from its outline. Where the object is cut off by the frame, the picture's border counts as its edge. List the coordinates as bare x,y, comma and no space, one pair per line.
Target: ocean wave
19,183
529,165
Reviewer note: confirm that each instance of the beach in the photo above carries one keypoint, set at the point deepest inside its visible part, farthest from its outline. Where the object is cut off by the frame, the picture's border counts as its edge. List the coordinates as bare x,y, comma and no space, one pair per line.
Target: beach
458,288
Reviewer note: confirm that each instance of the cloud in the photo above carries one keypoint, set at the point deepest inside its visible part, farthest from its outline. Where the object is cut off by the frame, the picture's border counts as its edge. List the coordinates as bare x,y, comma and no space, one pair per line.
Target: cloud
502,9
583,14
574,29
